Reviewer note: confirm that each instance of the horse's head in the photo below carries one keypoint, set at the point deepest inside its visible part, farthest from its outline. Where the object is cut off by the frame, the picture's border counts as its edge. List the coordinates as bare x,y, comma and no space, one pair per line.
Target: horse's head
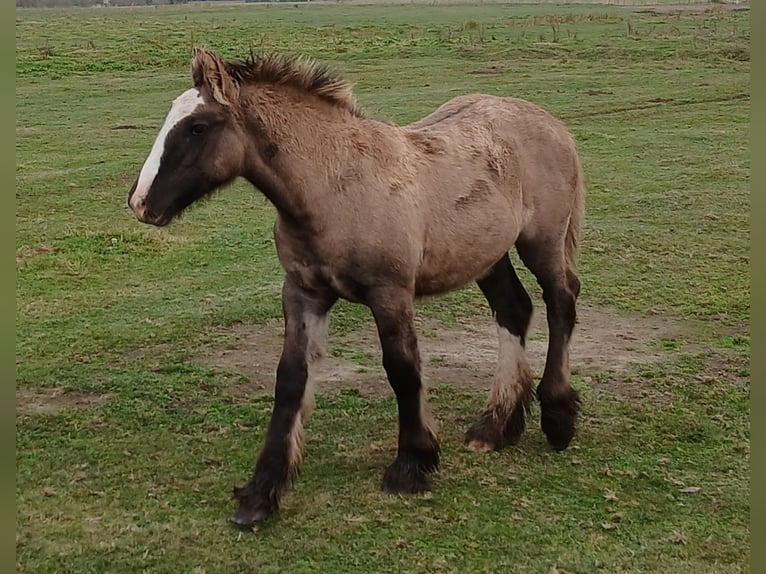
200,147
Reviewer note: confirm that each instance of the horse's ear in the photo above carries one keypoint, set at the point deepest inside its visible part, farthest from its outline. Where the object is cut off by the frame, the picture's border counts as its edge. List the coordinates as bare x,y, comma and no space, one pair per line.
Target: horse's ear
209,70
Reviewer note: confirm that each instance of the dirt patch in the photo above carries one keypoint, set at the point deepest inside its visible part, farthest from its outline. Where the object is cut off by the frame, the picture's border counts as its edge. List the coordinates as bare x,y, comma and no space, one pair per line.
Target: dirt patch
26,130
679,9
129,127
657,102
490,70
605,341
26,252
53,401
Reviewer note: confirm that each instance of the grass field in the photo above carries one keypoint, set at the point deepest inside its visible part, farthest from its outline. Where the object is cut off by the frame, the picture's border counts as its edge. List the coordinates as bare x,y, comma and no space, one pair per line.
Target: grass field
143,356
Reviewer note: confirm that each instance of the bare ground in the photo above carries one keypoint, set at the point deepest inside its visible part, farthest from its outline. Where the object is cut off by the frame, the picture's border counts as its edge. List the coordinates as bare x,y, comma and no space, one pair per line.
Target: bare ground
605,341
676,9
52,401
606,344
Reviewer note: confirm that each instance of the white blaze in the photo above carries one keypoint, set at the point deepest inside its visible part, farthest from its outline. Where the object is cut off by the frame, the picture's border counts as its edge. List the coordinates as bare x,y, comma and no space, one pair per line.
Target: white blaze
183,106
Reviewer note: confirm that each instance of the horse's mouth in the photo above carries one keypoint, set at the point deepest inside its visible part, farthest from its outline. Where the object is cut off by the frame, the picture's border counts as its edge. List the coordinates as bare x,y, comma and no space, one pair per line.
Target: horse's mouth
161,221
155,220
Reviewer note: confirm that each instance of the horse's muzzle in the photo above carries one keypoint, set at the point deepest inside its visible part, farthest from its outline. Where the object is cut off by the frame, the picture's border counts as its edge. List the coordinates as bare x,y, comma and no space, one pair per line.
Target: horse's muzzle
140,210
145,216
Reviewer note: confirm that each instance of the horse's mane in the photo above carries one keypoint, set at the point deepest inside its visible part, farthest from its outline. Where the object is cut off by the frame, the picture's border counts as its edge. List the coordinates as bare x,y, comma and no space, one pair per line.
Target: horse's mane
300,72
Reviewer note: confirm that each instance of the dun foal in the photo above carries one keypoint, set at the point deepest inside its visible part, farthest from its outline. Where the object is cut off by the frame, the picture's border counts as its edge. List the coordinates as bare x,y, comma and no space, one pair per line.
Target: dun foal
380,214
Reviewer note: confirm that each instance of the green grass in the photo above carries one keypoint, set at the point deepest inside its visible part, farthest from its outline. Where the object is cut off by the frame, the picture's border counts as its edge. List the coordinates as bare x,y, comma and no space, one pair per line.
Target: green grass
109,309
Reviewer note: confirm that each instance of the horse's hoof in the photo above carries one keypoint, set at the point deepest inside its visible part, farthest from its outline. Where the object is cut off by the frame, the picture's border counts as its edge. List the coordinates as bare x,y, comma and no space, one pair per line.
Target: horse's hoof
402,485
405,477
252,508
245,517
558,420
490,433
484,435
478,445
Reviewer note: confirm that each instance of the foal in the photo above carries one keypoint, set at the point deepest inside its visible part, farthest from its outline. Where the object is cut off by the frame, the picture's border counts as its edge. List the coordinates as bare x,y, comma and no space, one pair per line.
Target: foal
380,214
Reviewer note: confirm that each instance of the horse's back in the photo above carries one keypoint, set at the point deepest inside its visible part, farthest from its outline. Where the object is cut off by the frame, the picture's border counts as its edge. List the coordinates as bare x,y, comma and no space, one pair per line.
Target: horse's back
510,141
483,119
492,168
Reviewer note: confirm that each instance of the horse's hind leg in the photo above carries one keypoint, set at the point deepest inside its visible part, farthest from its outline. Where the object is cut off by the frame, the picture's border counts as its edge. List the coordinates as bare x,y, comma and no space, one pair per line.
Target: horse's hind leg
503,421
559,402
418,453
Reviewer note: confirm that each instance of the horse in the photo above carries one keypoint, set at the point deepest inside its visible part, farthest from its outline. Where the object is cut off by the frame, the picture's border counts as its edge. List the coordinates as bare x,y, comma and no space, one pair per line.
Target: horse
380,214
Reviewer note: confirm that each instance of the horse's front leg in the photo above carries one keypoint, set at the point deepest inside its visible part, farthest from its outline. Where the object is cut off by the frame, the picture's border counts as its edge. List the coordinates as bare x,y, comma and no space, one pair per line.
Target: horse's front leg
418,453
305,315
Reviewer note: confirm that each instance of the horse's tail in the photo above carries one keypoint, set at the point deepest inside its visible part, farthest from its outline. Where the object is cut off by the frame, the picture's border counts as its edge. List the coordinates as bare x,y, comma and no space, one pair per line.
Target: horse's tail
574,229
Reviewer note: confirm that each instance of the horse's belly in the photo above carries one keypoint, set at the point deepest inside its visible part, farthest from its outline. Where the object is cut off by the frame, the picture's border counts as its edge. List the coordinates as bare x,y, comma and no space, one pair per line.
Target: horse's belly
465,240
444,282
451,266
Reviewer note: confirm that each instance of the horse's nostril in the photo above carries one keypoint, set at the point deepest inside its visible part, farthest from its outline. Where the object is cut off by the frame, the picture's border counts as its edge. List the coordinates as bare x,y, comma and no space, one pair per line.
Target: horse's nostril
139,205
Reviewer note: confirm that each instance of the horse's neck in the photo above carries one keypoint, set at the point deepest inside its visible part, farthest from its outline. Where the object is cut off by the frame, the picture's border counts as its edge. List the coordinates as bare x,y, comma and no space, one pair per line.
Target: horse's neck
304,154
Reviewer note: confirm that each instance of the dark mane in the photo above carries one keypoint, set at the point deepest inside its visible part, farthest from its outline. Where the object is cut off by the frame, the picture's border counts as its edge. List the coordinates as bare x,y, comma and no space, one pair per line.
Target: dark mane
303,73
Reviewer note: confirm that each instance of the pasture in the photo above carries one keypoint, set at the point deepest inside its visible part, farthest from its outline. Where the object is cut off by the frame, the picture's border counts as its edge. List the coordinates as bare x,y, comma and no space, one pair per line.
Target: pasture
145,357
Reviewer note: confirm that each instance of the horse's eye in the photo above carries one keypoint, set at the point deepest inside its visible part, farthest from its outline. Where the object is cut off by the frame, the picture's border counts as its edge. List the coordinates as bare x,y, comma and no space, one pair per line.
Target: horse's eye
198,129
